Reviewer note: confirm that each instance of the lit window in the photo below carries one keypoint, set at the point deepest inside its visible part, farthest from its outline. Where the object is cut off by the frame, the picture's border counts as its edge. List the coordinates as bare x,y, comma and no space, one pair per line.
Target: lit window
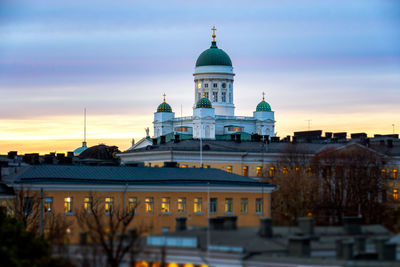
28,205
244,203
109,205
215,85
184,166
48,204
206,85
215,96
297,169
141,264
165,205
271,172
182,205
235,129
383,172
199,85
229,169
87,204
228,205
68,205
213,205
148,204
395,194
207,166
395,174
259,171
245,171
259,206
284,171
197,205
181,129
132,204
223,96
309,171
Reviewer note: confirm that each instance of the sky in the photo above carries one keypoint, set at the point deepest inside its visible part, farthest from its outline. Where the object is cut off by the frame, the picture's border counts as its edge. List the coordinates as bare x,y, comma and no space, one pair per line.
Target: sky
335,63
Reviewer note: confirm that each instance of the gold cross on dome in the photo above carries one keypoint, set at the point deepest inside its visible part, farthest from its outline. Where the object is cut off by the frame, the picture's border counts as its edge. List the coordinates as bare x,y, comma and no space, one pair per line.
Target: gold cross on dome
164,97
263,95
213,35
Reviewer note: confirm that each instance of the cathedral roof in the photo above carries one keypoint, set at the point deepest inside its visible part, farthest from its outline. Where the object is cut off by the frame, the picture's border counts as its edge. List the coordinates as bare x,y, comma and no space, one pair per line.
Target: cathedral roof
213,56
204,103
164,107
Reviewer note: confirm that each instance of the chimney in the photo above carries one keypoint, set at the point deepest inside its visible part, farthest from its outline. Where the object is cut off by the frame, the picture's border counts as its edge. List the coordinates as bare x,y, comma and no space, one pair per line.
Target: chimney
265,227
306,225
154,141
352,225
180,224
177,138
162,139
299,246
347,249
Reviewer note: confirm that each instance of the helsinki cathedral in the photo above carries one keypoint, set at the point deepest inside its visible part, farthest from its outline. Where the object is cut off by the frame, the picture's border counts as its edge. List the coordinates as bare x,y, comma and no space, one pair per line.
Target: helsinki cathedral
213,109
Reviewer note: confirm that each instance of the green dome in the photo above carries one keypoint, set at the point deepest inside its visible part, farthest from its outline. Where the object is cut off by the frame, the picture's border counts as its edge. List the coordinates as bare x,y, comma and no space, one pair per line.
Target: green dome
204,103
263,106
213,56
164,107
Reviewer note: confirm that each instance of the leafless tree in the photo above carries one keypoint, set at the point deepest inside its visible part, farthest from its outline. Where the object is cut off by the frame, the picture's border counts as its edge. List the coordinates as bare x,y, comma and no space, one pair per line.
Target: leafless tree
108,226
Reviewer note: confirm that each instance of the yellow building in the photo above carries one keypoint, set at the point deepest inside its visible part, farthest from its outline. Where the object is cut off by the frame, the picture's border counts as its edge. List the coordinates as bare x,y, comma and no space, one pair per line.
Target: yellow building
156,195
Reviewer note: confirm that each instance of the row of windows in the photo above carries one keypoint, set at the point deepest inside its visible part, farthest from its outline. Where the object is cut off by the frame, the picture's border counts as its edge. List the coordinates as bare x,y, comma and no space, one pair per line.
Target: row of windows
149,205
215,96
214,85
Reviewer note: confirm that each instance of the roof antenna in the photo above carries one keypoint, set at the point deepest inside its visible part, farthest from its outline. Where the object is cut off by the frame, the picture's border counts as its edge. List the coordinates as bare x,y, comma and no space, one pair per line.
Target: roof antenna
84,128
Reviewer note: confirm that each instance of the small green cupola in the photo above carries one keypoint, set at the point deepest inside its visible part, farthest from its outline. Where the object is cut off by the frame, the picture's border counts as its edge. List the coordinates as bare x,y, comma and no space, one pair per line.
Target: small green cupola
263,106
203,102
164,106
213,55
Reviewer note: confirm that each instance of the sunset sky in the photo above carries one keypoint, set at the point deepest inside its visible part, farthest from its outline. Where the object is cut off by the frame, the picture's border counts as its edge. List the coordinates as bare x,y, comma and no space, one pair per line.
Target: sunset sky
336,63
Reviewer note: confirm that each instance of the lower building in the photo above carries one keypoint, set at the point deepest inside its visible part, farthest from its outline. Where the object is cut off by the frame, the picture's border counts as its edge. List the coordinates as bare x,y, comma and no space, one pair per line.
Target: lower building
155,195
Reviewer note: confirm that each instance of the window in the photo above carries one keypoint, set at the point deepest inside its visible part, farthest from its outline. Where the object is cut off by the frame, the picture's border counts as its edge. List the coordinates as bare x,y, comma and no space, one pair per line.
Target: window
206,85
184,166
197,205
229,169
228,205
271,172
245,171
48,204
68,205
132,204
199,85
215,96
223,96
259,171
285,171
259,206
395,194
109,205
230,98
28,205
148,205
235,129
244,204
181,129
395,174
215,85
206,95
224,85
207,166
199,95
383,172
165,205
87,204
182,205
213,205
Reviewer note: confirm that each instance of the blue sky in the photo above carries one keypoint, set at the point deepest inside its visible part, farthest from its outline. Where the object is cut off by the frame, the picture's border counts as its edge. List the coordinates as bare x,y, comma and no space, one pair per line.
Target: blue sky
334,62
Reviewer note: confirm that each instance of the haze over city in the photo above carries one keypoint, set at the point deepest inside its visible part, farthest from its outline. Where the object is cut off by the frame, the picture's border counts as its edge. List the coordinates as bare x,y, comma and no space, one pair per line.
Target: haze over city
337,65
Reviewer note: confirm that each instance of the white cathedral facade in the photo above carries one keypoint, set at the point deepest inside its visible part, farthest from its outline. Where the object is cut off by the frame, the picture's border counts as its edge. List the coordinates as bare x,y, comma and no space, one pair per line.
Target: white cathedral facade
213,109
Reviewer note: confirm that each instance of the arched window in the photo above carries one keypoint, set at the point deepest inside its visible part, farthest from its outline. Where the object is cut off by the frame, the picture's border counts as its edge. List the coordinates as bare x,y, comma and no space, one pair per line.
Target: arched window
208,131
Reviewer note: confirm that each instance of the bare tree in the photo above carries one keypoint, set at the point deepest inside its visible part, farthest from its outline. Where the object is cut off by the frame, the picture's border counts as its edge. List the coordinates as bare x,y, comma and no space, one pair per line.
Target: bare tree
350,183
108,226
297,186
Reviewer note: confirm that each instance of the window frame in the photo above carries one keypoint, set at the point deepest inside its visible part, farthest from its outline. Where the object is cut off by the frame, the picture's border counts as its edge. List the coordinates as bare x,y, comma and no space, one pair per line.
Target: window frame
244,202
109,205
259,206
213,205
132,205
198,205
87,204
181,201
149,204
228,206
50,203
68,206
165,205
